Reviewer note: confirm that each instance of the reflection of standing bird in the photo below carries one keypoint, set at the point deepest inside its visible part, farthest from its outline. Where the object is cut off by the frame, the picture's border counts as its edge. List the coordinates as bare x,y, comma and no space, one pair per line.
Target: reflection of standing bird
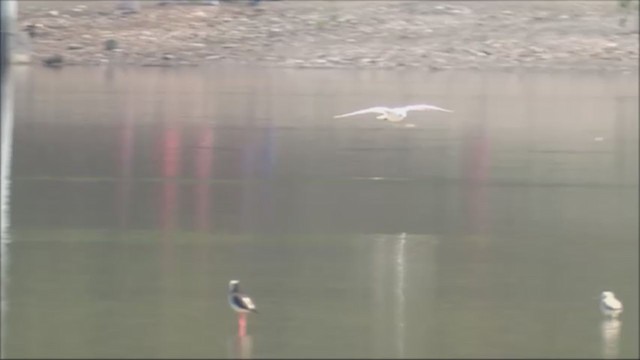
241,303
609,305
610,334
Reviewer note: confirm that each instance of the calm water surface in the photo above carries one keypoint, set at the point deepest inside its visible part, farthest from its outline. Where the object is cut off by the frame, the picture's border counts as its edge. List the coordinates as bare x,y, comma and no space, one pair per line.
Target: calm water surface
131,198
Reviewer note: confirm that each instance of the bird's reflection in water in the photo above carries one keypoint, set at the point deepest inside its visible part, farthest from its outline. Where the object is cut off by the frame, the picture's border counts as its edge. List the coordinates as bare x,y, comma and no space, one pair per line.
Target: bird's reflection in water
610,333
240,347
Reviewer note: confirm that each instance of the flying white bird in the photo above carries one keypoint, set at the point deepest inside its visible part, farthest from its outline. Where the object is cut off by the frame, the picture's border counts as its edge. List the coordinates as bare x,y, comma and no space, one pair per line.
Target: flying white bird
393,114
609,305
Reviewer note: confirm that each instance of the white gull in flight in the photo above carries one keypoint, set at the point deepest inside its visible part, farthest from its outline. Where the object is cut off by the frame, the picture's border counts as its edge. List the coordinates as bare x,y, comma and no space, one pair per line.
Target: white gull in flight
396,114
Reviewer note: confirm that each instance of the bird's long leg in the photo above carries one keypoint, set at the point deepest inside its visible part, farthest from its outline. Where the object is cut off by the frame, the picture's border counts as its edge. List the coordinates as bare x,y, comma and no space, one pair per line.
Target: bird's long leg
242,324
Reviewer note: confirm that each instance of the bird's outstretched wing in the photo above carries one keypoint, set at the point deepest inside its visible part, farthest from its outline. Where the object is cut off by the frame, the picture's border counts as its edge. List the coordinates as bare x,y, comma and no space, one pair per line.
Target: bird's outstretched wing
377,109
424,107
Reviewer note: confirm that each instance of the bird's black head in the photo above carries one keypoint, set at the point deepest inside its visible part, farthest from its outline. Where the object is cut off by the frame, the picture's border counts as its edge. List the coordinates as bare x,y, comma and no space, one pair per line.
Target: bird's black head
234,286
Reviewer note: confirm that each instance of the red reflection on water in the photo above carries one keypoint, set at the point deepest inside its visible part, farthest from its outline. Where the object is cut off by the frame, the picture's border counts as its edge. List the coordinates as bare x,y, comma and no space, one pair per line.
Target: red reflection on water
203,158
171,164
170,151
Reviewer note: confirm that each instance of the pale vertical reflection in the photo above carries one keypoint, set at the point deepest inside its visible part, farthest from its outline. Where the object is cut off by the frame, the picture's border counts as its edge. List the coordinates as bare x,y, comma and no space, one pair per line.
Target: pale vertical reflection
400,298
379,301
5,192
610,333
390,269
241,347
394,258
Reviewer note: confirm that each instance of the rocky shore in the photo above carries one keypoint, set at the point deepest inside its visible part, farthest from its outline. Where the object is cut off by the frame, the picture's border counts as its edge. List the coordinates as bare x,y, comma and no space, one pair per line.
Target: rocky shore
438,35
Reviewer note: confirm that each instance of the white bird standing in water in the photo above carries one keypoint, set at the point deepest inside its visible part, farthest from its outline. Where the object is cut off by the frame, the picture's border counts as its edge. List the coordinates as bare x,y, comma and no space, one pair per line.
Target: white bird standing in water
241,303
609,305
396,114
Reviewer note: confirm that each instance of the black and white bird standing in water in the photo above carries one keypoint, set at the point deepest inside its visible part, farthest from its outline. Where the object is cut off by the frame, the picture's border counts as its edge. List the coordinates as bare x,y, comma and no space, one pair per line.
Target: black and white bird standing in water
394,115
241,304
609,305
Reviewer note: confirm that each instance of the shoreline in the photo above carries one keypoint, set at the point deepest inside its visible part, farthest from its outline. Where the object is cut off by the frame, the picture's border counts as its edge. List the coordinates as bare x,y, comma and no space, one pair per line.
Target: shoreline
430,35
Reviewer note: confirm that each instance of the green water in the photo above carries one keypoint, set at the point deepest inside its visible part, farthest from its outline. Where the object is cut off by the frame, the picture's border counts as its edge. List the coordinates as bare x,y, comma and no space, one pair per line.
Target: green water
136,195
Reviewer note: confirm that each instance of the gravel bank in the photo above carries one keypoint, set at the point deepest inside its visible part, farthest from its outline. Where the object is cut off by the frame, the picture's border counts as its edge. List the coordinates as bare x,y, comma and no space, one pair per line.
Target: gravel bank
578,35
